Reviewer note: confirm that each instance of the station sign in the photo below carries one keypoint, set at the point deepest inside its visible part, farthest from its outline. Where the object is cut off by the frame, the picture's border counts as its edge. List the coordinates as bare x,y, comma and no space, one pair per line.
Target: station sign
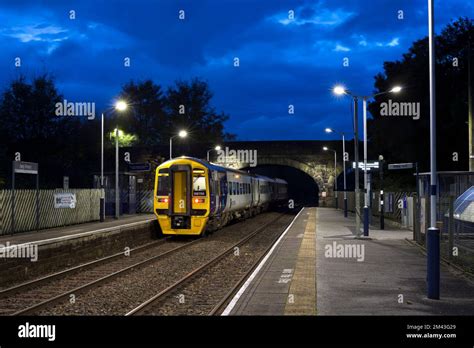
65,200
139,167
370,165
397,166
25,167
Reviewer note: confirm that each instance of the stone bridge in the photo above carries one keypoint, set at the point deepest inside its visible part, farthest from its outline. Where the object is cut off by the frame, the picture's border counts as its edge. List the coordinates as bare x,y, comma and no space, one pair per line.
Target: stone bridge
306,156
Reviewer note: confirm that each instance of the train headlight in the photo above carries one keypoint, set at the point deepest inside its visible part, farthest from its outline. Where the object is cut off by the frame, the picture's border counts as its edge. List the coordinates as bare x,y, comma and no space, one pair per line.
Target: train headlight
198,200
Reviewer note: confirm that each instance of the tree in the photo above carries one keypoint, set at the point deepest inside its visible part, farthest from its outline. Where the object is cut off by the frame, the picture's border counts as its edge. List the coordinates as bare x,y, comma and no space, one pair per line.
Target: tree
146,117
189,107
402,139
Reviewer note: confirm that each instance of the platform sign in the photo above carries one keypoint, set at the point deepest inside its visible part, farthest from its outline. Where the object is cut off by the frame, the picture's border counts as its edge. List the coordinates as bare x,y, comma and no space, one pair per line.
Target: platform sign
65,200
139,167
370,165
20,167
397,166
25,167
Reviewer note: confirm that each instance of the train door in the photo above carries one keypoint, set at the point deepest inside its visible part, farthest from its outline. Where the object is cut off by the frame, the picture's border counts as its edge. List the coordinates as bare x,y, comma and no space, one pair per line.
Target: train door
180,207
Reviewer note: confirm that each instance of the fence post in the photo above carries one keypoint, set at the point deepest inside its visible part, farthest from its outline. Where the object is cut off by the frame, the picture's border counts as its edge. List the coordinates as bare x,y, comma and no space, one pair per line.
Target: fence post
416,227
451,227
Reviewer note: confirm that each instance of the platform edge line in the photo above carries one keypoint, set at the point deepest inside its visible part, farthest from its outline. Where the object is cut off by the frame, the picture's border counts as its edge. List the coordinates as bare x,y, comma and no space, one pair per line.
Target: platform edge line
244,287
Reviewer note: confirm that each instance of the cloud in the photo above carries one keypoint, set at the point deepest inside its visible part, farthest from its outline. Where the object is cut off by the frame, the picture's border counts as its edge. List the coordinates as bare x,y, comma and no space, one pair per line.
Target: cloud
313,14
340,48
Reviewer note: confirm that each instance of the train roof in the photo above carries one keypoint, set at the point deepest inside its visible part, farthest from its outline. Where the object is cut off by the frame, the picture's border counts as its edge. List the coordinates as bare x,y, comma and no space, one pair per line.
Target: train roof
216,167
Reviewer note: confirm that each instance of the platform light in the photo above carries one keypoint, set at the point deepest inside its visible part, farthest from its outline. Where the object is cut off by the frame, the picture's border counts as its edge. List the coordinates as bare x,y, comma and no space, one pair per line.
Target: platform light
325,148
396,89
339,90
328,130
183,134
121,105
217,148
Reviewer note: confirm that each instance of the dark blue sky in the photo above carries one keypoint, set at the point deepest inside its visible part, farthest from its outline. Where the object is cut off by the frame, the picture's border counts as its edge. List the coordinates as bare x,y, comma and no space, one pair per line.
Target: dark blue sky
282,62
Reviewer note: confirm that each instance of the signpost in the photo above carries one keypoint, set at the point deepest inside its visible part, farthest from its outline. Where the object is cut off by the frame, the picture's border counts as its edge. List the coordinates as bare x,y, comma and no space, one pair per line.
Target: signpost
139,167
397,166
66,182
369,166
21,167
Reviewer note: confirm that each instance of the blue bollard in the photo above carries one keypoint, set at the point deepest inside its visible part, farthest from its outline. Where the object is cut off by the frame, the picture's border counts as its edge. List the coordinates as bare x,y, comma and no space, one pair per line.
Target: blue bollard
345,207
366,221
432,248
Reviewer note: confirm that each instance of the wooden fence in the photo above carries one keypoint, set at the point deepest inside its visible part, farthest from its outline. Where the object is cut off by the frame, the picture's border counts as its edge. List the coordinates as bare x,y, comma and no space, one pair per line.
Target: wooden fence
86,209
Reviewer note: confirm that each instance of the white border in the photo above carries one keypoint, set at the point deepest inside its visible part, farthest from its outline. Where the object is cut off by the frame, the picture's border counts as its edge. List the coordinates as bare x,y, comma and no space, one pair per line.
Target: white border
244,287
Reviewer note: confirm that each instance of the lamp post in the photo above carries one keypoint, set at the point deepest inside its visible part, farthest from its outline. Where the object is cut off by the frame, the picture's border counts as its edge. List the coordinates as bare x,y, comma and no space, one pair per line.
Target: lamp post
331,130
325,148
339,90
433,237
119,106
181,134
217,148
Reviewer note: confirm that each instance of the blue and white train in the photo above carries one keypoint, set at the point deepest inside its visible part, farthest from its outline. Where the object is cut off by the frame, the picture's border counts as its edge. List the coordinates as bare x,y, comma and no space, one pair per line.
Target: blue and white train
193,196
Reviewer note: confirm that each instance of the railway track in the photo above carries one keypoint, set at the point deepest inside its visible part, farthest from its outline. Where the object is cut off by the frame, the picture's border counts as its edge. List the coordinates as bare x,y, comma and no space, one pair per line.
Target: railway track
30,297
116,284
208,288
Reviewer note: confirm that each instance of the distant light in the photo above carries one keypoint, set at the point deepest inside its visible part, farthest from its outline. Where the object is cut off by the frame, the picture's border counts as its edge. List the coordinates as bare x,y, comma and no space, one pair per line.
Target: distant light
325,148
339,90
121,105
328,130
217,148
183,134
119,131
396,89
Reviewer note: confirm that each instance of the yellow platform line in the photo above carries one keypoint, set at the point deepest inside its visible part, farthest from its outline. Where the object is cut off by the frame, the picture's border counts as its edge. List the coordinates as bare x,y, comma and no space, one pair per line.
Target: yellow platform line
302,293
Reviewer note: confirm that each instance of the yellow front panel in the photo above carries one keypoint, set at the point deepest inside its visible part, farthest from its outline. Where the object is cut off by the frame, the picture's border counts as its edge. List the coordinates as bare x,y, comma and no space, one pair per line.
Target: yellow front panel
179,192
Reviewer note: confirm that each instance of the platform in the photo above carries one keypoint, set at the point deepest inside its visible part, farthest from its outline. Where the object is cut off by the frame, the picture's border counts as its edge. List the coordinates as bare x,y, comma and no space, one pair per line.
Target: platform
58,234
320,267
32,254
284,283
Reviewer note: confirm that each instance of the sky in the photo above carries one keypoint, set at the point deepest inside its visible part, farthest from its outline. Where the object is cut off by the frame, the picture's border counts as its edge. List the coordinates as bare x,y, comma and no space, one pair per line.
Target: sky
285,62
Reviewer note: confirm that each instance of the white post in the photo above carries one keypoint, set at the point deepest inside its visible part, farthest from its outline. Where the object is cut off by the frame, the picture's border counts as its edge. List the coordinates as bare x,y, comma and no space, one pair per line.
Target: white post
102,191
117,196
344,163
171,148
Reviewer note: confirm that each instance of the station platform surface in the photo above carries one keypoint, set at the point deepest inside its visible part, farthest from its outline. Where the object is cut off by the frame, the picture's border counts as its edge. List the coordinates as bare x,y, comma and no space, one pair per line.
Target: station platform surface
320,267
285,281
64,233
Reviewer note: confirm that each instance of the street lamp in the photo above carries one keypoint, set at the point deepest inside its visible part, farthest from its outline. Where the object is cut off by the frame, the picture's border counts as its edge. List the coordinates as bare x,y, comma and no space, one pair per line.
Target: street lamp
433,235
330,130
339,90
181,134
119,106
325,148
217,148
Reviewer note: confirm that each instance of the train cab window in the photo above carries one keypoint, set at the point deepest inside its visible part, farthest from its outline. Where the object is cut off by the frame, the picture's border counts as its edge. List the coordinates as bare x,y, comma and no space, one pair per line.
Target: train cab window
163,188
199,183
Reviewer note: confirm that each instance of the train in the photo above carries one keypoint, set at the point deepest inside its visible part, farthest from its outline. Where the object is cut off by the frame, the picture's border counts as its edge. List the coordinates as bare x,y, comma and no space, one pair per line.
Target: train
195,197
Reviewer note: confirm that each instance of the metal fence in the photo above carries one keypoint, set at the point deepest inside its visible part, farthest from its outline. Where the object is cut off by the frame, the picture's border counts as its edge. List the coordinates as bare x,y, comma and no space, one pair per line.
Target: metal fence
86,209
457,232
395,205
145,201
